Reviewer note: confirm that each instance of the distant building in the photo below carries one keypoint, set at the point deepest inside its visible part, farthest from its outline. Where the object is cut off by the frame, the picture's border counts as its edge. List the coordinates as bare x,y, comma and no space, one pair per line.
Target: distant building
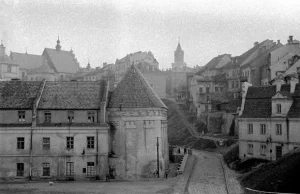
269,119
8,68
81,130
121,65
53,64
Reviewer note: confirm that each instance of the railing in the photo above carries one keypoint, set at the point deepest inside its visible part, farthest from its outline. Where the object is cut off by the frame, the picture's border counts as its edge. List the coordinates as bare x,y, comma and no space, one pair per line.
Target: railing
182,164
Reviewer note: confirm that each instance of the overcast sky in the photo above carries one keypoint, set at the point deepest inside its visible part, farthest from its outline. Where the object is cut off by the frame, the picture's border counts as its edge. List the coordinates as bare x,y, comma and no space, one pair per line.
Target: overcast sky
104,30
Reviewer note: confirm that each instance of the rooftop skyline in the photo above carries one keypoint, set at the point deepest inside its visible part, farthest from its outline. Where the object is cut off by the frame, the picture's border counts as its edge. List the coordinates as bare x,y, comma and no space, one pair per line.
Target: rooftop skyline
103,31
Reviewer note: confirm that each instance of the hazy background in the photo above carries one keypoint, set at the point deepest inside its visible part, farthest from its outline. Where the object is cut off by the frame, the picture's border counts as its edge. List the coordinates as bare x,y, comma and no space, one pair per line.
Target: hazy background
103,31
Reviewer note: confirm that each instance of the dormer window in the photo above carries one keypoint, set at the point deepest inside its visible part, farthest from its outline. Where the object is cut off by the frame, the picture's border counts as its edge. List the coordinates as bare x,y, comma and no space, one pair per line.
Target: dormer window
21,115
278,108
91,117
70,116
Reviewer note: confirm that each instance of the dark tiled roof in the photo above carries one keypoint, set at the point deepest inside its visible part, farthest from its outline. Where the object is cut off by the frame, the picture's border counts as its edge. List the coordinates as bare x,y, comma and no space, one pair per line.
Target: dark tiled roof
63,61
133,91
258,102
261,92
294,111
71,95
18,94
27,61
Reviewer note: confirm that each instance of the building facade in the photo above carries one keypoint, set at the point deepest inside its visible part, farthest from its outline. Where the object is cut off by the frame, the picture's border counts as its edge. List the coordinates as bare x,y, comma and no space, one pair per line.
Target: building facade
269,119
80,130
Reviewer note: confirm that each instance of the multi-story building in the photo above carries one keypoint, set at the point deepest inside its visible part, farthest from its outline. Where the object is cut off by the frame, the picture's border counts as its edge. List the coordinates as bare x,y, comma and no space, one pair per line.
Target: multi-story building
280,60
77,130
121,65
269,119
8,68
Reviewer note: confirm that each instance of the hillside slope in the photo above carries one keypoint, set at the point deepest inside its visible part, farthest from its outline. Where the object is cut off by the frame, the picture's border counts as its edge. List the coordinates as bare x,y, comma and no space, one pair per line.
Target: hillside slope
281,175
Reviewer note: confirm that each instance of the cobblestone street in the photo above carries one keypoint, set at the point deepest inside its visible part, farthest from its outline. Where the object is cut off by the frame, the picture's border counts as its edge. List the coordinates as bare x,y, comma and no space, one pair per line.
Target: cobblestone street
208,175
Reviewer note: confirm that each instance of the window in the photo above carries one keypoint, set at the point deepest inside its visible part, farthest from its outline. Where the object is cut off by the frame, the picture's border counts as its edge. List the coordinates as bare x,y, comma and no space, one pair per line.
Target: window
216,89
200,90
70,169
278,106
46,169
237,84
207,90
250,128
262,129
90,142
263,149
47,117
23,74
20,169
70,116
221,89
250,149
232,84
90,169
20,143
9,69
21,115
91,117
70,142
278,129
46,143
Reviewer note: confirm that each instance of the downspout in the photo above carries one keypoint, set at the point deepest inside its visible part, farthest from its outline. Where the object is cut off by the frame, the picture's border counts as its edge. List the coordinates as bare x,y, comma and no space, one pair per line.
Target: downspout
287,131
33,125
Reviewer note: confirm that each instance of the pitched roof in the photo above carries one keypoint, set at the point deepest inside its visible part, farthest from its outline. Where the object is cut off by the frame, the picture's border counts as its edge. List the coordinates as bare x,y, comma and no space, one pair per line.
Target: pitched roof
18,94
133,91
27,61
72,95
4,58
63,61
258,102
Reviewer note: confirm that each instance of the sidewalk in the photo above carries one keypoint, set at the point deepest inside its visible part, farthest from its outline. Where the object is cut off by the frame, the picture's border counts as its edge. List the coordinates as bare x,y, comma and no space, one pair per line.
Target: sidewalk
183,179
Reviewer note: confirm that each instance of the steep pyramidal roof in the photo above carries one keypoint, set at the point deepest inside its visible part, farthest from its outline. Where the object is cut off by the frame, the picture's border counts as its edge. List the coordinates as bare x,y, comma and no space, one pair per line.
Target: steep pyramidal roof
133,91
178,47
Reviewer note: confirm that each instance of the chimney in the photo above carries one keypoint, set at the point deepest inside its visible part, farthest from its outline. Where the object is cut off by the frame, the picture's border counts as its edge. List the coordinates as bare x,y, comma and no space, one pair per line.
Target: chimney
278,41
293,82
290,40
245,86
278,82
255,44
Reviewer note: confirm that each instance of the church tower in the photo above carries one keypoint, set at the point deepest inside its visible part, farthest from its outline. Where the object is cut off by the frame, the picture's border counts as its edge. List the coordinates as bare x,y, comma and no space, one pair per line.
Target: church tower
179,64
178,54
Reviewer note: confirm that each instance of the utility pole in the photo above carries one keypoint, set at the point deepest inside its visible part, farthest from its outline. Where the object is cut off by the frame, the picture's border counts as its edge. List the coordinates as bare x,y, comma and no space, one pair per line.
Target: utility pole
157,144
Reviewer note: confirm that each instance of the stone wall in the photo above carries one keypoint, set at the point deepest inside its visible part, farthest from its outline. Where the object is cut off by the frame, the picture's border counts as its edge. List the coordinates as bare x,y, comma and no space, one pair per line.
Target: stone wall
220,122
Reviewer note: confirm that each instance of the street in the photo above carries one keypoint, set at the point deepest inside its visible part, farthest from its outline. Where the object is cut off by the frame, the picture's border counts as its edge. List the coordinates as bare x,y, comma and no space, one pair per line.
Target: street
207,176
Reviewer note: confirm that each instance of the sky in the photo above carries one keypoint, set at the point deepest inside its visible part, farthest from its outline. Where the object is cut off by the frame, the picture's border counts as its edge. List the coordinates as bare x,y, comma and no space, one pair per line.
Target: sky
105,30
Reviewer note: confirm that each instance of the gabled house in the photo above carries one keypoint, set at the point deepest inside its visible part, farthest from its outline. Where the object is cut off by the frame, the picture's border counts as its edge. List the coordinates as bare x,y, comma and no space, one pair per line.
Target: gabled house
269,120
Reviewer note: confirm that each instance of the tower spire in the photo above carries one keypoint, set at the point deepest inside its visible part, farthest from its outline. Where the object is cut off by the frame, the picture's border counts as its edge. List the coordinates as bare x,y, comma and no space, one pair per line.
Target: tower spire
58,47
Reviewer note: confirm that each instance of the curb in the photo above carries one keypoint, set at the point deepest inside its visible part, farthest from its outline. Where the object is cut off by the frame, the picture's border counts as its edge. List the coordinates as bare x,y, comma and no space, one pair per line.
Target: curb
189,178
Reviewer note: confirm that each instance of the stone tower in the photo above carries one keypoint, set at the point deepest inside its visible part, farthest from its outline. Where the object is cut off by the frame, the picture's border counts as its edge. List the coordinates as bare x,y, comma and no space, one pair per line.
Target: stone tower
179,64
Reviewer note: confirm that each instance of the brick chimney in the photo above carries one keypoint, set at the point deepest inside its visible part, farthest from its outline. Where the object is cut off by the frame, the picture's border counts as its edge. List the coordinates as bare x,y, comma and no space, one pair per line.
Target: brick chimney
278,41
255,44
293,82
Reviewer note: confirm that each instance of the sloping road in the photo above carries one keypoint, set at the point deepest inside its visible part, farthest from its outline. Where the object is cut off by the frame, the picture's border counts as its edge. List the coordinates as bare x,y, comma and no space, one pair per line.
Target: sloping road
208,175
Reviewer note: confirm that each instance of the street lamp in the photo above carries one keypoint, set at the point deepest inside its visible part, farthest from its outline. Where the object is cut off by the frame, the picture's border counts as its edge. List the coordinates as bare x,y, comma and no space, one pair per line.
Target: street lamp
157,146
